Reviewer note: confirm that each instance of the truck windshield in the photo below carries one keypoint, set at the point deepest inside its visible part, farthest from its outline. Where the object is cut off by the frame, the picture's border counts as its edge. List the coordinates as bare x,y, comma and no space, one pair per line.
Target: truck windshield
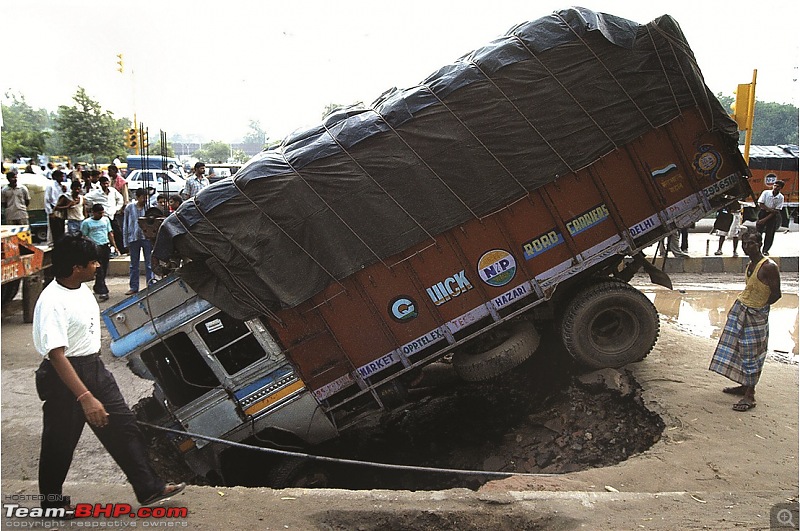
230,341
180,369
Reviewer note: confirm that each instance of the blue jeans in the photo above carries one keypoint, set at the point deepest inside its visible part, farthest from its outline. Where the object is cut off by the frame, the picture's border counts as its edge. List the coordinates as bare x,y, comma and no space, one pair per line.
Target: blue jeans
134,248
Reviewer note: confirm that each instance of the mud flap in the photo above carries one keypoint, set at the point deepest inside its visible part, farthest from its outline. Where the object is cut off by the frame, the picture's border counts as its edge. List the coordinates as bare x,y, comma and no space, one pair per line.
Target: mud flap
657,276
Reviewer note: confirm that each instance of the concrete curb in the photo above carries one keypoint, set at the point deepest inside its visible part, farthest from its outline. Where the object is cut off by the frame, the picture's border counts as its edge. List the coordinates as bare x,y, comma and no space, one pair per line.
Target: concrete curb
720,264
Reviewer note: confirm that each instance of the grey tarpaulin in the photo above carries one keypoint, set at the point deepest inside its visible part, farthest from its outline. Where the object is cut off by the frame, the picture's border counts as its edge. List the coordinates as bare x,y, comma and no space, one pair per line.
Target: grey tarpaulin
549,97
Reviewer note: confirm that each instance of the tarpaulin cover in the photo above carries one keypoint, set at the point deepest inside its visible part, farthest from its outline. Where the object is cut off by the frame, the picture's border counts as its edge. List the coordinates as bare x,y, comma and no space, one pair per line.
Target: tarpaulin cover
548,98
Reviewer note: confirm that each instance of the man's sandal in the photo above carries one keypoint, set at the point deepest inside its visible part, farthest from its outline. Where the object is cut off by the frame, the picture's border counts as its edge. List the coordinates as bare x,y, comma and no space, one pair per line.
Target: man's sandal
743,405
169,491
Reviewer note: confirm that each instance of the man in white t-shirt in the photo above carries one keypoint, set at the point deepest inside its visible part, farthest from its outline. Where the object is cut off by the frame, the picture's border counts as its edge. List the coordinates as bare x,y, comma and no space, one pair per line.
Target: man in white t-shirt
769,214
75,385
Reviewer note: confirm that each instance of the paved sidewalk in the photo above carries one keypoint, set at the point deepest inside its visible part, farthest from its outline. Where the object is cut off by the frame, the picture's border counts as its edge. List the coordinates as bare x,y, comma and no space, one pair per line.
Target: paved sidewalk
702,246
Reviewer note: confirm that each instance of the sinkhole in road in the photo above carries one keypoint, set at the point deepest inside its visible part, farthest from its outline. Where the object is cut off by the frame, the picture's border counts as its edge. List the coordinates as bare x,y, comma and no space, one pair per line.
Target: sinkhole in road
545,416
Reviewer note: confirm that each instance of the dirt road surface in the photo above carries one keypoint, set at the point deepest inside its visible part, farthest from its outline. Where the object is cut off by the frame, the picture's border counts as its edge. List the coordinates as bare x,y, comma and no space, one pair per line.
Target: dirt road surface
712,468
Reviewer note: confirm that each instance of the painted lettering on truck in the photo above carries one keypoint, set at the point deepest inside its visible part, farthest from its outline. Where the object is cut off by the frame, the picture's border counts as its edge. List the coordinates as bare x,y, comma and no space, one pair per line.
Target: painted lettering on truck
453,286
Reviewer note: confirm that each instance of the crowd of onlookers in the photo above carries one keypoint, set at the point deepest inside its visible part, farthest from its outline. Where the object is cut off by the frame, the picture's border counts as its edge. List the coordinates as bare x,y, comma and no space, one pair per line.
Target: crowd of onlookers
96,204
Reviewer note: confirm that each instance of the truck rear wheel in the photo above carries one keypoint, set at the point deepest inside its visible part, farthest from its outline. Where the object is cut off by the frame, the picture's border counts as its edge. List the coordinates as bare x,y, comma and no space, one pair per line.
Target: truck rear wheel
609,324
476,362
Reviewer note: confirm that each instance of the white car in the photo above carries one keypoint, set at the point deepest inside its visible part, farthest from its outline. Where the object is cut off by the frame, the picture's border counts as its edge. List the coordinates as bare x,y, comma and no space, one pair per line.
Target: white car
155,179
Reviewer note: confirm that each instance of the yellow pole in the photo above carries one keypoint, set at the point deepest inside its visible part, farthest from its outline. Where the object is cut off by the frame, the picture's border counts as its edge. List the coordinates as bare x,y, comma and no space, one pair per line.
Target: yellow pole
751,110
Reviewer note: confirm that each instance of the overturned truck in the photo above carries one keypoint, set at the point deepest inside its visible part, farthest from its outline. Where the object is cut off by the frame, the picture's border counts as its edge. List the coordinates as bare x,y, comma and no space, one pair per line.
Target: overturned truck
524,179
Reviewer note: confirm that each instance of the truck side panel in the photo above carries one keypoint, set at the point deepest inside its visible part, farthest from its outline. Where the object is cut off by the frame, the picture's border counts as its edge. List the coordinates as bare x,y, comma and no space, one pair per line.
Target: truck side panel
419,302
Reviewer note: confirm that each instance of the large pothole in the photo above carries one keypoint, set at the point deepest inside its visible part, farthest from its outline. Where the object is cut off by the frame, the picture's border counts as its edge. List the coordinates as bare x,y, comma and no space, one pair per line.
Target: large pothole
543,417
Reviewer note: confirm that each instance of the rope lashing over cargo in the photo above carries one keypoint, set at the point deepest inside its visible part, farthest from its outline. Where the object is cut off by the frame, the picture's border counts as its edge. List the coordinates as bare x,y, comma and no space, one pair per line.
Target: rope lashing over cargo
567,91
329,207
390,466
610,73
484,146
519,111
428,166
289,236
673,44
376,183
664,70
260,308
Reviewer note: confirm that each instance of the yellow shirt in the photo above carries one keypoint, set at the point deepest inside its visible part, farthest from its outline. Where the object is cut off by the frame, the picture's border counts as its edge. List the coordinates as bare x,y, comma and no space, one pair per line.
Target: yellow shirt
756,293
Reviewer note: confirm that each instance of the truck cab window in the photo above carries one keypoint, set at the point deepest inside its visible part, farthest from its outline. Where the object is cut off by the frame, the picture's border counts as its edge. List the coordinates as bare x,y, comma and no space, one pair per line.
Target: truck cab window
180,369
230,341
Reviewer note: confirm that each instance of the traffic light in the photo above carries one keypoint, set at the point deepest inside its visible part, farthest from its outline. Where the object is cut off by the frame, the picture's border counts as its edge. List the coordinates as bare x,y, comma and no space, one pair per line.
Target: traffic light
144,142
741,106
120,63
132,138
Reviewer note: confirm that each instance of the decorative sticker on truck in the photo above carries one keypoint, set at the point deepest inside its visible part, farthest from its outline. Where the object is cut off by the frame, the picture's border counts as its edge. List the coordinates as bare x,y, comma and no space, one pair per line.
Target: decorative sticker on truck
403,308
644,226
550,239
512,295
707,161
663,172
497,267
588,219
467,319
334,387
453,286
378,365
684,205
720,186
541,243
669,178
412,347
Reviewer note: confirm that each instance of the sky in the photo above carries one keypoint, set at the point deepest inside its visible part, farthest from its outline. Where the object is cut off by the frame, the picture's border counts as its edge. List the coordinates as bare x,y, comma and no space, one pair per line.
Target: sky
209,68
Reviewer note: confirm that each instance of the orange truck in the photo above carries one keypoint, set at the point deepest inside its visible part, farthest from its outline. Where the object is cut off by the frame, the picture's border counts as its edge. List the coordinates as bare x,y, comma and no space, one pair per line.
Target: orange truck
445,222
769,164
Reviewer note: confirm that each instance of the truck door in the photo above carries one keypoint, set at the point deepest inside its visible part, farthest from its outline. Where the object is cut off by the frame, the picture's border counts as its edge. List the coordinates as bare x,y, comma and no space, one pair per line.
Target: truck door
218,373
195,394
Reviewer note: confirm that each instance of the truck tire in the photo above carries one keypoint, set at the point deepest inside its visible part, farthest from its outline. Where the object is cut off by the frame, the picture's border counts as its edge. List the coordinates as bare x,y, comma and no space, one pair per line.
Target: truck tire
518,342
295,472
9,291
609,324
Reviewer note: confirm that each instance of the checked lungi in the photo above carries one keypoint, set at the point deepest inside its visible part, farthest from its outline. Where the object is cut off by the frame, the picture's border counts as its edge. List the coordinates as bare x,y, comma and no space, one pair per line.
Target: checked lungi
742,348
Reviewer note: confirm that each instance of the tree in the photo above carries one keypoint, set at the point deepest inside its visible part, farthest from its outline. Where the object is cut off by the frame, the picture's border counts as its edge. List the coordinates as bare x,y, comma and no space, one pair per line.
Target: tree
256,135
155,148
214,151
87,130
24,128
330,108
773,123
239,156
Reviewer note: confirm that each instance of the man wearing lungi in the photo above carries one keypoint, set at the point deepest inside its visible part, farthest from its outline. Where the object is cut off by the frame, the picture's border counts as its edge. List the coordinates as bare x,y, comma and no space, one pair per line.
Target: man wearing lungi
742,348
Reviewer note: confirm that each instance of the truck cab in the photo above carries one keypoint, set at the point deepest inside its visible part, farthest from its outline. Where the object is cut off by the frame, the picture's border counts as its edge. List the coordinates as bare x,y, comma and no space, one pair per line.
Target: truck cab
213,375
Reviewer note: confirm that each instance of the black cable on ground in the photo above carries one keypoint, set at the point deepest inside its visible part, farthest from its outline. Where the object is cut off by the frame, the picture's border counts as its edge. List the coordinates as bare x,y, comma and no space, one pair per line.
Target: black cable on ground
302,455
